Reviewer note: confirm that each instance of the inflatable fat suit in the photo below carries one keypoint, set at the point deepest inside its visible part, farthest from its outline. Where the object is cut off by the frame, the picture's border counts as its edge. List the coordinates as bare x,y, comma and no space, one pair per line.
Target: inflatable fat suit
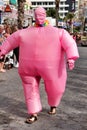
44,52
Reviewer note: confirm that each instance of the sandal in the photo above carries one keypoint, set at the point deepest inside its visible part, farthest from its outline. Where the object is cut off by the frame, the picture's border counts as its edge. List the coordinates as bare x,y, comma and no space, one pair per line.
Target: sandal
52,110
31,119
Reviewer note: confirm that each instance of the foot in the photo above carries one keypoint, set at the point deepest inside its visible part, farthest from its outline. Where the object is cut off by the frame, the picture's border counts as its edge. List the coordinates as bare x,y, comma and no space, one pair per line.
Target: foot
31,119
3,70
16,65
52,110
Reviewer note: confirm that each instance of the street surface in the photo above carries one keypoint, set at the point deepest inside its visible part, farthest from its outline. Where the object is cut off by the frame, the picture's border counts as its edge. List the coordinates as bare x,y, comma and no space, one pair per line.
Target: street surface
71,113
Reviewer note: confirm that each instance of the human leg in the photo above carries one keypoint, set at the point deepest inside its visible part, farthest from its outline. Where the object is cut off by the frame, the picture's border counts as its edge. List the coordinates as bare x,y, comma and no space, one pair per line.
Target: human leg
16,52
2,62
2,67
16,57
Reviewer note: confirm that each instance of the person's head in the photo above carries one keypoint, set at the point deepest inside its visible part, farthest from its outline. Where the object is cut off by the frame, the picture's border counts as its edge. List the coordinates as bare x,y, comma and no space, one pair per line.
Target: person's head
14,28
1,28
40,15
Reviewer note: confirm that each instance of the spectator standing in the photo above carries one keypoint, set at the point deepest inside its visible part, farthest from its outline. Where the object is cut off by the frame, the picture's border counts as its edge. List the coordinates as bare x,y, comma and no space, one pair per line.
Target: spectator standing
8,57
1,42
7,28
14,28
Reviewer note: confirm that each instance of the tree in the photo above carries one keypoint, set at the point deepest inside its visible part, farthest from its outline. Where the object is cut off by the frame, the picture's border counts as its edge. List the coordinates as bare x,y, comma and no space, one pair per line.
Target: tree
69,18
20,13
57,10
51,13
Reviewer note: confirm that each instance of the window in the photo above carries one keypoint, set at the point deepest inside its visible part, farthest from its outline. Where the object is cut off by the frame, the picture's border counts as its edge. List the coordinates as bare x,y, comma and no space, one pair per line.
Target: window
50,3
33,3
38,3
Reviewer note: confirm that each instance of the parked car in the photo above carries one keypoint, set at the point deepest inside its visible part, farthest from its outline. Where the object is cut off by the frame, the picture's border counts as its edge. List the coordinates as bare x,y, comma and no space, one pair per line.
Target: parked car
84,40
83,43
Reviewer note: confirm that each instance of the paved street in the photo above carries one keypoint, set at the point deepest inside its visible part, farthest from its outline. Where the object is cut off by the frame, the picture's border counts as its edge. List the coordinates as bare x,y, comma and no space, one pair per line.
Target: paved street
71,113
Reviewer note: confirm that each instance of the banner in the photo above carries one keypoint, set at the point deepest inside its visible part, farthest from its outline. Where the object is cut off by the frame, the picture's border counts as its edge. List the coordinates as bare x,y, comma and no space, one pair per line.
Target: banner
73,5
13,2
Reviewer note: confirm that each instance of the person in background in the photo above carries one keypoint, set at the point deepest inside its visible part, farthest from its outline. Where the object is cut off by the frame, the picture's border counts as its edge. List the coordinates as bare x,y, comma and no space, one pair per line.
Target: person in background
45,52
1,42
74,36
7,28
8,57
14,28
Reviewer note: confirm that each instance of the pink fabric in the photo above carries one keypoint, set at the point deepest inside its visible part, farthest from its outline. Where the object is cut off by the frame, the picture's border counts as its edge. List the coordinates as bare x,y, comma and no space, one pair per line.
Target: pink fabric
42,55
40,15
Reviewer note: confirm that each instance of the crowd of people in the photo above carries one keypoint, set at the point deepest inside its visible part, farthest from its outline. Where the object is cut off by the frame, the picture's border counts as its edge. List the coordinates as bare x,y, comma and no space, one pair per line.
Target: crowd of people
76,37
12,58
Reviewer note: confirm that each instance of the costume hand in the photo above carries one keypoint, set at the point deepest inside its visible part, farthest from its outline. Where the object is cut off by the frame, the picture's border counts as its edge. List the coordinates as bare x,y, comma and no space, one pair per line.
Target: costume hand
71,64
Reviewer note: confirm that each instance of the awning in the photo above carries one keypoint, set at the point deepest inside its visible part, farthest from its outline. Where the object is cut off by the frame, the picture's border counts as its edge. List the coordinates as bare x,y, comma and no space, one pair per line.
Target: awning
1,5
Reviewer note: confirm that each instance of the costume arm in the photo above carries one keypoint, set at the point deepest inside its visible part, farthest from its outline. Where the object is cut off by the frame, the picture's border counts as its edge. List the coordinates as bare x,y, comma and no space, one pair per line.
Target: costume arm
69,45
10,43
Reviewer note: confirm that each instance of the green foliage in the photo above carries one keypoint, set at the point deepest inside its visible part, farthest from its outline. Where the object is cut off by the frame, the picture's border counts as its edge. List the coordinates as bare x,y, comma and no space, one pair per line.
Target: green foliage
77,29
51,13
69,15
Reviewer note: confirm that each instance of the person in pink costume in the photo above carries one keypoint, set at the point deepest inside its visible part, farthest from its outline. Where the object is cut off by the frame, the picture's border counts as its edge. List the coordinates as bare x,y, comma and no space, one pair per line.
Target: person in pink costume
44,52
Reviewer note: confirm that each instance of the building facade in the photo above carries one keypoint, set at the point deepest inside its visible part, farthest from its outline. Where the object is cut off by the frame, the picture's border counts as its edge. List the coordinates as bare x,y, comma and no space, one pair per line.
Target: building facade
83,13
65,6
6,1
48,4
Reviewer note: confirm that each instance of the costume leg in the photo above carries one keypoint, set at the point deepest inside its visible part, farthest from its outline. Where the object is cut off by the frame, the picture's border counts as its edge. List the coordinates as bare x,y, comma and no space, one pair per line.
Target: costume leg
54,86
54,93
32,95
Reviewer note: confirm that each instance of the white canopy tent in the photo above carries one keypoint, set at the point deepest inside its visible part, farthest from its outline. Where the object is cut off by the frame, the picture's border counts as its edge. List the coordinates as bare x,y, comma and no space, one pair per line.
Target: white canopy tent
1,5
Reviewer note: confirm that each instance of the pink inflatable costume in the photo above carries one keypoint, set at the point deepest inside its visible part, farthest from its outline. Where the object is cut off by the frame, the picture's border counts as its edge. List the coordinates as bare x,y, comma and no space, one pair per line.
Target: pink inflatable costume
44,51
